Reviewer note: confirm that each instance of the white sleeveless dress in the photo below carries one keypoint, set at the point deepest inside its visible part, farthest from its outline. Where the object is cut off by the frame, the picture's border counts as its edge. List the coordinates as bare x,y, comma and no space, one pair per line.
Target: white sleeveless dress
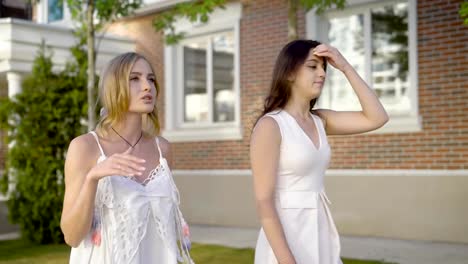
135,223
301,202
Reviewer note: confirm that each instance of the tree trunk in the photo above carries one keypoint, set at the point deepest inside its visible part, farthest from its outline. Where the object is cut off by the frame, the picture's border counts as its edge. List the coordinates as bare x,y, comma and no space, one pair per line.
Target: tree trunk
91,66
292,20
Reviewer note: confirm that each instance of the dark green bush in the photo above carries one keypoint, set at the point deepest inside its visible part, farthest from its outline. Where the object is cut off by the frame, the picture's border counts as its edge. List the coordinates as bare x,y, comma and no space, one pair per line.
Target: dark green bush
40,122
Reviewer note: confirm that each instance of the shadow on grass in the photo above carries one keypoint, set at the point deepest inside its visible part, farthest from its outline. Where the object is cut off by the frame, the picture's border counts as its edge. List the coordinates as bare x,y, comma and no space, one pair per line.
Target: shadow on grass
21,252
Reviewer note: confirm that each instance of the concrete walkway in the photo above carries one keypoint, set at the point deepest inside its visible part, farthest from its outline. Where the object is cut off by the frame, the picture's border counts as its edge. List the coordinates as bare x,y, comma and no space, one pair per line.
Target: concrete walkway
389,250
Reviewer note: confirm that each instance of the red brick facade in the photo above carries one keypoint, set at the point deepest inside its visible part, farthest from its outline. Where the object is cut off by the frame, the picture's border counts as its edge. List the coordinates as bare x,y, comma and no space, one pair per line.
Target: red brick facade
442,76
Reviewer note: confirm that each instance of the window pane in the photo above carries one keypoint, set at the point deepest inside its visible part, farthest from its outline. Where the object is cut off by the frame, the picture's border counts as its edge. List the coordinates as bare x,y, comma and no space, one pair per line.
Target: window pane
55,10
223,77
390,56
347,35
195,91
15,8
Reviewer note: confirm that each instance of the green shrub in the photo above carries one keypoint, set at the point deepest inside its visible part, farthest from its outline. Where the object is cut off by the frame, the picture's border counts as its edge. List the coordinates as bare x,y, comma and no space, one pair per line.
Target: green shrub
40,122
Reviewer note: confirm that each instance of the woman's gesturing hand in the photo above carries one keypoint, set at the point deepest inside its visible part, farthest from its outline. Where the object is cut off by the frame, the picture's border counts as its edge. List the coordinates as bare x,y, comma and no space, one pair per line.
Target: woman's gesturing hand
118,164
332,55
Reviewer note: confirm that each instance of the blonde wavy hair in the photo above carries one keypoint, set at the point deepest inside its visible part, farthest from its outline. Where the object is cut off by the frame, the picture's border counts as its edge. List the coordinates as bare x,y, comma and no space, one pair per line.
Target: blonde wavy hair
114,94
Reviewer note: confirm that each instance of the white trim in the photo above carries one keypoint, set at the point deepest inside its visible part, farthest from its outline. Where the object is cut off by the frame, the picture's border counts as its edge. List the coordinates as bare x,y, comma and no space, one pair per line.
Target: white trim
413,56
21,39
400,173
334,173
400,124
175,129
411,121
42,8
368,46
209,79
212,173
203,134
150,8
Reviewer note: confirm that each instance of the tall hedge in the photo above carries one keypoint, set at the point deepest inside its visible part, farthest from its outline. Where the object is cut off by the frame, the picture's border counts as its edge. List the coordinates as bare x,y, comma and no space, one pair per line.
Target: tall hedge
40,123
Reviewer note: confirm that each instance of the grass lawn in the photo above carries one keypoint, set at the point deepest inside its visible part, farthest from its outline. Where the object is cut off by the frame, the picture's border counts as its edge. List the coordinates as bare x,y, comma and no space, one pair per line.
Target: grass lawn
20,252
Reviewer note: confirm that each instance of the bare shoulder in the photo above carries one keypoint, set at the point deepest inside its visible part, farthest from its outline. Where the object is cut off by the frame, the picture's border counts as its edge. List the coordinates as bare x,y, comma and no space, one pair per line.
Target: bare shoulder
84,148
164,144
267,127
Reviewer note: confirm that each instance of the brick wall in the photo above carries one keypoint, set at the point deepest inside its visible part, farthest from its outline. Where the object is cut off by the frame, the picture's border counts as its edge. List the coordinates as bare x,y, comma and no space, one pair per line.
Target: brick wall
443,73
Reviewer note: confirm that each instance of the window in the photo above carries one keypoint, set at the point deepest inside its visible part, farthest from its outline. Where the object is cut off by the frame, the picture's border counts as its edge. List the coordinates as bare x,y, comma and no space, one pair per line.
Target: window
202,80
15,9
208,78
54,10
378,38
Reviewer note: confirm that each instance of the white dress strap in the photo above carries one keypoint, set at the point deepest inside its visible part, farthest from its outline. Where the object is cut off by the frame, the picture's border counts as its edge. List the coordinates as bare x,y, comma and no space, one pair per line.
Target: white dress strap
159,149
97,141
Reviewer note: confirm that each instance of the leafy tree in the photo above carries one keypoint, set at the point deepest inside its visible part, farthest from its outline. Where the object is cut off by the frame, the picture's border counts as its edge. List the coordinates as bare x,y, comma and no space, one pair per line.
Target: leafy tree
464,12
201,9
40,122
94,16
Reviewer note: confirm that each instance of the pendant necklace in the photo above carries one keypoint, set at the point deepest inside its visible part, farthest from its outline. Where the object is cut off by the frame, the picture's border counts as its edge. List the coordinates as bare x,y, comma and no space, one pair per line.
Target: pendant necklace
126,141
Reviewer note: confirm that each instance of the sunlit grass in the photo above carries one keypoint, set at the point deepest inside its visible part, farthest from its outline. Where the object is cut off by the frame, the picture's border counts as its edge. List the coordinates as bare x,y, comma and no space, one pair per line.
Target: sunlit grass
20,252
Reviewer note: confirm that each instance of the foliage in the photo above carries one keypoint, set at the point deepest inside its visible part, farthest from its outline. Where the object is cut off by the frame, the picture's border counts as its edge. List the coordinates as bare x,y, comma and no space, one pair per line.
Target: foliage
92,16
464,12
106,11
196,11
393,24
322,5
40,122
200,10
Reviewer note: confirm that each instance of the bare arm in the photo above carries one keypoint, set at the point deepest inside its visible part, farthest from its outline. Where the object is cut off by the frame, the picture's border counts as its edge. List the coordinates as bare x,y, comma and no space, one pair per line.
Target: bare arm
372,116
81,179
264,157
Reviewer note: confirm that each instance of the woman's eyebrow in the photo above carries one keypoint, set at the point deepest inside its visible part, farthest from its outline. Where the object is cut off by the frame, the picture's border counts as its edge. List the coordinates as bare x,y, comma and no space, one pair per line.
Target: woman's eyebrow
313,60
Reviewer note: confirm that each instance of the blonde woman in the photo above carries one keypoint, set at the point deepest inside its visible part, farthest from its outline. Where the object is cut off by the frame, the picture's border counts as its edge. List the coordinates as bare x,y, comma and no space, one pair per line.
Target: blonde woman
121,204
289,154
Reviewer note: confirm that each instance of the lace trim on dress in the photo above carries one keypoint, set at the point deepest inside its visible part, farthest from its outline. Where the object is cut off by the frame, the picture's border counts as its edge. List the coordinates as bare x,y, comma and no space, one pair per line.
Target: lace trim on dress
128,231
154,174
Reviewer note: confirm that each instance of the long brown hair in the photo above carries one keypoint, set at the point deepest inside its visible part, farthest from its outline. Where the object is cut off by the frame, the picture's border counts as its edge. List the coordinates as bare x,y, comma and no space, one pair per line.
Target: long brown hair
291,57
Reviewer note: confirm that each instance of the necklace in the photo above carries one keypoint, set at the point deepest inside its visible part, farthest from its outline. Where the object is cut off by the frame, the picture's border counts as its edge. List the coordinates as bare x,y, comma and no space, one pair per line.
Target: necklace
126,141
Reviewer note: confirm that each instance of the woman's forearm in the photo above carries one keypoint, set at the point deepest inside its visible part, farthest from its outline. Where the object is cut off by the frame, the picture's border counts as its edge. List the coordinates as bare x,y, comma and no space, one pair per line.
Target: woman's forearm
274,232
371,106
77,222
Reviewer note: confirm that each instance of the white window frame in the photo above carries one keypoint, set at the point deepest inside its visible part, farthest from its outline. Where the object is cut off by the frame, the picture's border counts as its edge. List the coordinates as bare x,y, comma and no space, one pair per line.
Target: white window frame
175,129
411,121
43,14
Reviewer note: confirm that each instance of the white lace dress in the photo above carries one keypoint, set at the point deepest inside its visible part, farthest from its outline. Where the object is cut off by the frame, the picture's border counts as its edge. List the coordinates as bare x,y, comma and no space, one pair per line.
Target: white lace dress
135,223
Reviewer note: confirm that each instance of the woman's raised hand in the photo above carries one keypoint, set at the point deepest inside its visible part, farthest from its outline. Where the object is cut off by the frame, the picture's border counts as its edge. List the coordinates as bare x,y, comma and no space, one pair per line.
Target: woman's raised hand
118,164
333,56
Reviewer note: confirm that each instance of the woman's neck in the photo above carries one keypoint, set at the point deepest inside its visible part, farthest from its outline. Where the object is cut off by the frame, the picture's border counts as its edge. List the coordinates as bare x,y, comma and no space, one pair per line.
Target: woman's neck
298,107
130,128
